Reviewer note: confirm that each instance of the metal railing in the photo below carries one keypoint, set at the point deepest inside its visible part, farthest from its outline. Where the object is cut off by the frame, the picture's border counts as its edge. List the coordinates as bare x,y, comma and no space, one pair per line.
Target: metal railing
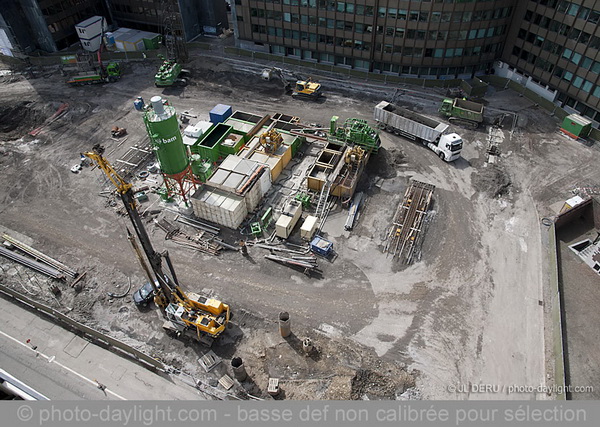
87,332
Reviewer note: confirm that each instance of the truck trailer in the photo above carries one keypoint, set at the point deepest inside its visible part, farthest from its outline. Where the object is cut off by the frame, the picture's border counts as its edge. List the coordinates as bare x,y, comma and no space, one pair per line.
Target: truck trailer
110,74
462,112
429,132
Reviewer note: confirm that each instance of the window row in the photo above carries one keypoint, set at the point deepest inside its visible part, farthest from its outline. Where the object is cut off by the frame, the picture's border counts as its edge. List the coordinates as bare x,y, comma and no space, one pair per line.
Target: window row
573,9
580,106
556,48
582,60
348,7
397,32
561,28
390,31
575,80
401,14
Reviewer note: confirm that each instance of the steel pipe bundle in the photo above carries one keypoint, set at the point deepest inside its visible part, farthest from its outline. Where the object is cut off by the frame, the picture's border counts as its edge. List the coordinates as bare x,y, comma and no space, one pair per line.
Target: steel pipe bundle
28,262
51,262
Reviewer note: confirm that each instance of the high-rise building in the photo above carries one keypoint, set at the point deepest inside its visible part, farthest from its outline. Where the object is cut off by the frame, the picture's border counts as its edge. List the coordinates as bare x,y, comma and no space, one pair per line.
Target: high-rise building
553,47
49,25
195,17
430,39
44,25
550,46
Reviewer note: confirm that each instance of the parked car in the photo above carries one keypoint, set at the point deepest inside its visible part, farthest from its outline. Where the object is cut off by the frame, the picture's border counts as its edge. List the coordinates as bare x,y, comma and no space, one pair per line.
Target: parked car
144,295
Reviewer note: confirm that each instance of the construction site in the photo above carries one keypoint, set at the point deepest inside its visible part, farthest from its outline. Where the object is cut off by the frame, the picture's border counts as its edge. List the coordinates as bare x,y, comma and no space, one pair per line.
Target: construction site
298,247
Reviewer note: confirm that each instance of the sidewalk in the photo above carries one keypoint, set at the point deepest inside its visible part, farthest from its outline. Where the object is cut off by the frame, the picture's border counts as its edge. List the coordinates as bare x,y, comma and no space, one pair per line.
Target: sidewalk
64,366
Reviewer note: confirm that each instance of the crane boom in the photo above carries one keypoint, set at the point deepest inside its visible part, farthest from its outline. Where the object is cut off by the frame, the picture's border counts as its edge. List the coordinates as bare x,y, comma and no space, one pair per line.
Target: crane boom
202,314
125,191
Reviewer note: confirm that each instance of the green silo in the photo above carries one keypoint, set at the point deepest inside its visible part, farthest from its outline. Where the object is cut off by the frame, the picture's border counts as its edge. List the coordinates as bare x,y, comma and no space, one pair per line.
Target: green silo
167,143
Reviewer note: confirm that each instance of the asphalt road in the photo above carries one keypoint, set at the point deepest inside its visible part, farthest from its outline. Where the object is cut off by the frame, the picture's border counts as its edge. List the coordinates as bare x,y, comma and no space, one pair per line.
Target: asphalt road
63,366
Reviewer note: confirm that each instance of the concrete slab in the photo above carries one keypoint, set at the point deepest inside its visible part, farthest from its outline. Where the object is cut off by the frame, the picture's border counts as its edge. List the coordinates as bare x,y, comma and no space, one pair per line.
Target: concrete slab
75,346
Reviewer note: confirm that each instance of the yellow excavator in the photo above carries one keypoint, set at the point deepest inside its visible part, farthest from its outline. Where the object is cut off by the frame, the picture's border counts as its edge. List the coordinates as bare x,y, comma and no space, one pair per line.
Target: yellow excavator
206,318
302,88
307,89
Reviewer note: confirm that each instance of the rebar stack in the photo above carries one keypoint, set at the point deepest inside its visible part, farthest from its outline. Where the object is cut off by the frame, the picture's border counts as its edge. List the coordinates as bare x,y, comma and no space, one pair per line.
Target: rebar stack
405,233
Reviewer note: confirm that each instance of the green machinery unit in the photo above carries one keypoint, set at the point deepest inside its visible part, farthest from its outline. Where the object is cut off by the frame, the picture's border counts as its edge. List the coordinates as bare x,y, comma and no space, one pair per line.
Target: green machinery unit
201,168
256,229
266,218
110,74
357,132
232,144
208,146
576,126
462,112
168,74
167,143
304,199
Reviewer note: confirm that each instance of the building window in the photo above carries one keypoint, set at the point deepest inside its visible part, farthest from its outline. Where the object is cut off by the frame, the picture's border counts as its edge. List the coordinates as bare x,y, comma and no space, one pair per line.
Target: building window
587,86
326,57
361,64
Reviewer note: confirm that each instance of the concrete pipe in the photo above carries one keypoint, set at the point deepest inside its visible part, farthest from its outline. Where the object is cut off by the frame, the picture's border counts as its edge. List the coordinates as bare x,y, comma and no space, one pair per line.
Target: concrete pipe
239,370
285,326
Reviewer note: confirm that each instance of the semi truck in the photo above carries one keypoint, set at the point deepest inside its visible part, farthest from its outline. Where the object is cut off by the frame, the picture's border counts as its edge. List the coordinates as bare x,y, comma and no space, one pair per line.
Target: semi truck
110,73
462,112
429,132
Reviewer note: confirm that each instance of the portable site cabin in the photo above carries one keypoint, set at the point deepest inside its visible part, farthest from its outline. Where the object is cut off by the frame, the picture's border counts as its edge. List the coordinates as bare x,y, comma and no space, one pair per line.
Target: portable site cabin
576,126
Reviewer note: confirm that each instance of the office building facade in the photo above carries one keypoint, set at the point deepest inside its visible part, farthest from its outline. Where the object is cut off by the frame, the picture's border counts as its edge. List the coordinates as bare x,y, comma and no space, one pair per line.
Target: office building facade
551,46
44,25
195,17
28,26
430,39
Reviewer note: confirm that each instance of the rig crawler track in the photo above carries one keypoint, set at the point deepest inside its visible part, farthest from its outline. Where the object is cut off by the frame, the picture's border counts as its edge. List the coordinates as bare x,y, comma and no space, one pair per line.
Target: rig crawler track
406,232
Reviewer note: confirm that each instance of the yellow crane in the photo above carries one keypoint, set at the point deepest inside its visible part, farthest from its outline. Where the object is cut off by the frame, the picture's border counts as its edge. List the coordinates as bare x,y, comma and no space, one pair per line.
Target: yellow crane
207,317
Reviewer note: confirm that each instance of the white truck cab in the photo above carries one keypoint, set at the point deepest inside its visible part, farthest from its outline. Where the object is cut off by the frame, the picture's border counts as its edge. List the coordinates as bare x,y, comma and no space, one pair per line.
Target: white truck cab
448,147
451,146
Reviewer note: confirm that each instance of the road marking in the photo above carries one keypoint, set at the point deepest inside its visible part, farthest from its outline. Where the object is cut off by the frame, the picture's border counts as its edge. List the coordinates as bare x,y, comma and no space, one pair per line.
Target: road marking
52,359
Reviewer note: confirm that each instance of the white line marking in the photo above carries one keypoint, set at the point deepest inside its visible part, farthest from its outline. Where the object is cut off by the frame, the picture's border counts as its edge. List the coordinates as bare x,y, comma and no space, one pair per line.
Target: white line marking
53,360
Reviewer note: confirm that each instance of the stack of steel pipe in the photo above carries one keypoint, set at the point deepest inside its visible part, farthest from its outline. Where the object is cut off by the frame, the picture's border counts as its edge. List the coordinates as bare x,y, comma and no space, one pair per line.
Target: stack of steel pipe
197,224
307,263
39,256
198,243
28,262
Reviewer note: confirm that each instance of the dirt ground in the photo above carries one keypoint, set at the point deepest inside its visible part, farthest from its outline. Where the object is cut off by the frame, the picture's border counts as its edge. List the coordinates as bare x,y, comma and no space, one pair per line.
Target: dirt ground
467,313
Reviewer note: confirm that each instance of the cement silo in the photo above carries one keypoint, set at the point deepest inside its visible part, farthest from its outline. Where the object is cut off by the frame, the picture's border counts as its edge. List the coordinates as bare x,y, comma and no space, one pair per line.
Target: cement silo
167,143
163,128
